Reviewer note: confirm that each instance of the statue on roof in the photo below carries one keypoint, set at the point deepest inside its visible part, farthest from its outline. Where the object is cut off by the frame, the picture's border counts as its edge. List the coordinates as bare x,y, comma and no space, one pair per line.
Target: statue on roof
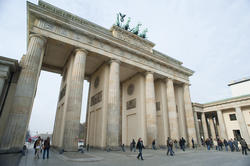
143,33
126,26
136,29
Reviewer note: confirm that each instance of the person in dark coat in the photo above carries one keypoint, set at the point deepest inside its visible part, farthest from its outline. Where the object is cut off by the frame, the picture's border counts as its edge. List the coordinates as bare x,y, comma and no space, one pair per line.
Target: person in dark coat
225,144
133,145
153,145
183,142
243,146
46,147
231,145
207,142
139,146
193,143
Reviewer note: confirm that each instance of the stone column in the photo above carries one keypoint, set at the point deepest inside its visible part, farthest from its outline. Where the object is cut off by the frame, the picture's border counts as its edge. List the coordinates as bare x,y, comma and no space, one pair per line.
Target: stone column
181,112
14,134
222,127
165,112
242,124
113,117
74,102
189,115
212,129
150,108
172,114
204,125
197,128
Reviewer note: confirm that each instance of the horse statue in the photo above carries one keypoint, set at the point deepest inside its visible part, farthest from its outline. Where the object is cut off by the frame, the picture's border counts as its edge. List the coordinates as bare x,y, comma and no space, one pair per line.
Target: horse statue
143,34
126,26
136,29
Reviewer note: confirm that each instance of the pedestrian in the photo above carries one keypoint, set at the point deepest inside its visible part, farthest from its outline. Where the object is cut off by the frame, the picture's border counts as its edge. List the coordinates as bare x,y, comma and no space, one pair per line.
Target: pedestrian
38,139
235,142
24,150
170,147
207,142
231,145
183,141
193,143
175,144
216,144
220,144
153,145
133,145
139,146
46,147
38,148
244,146
123,147
225,144
202,141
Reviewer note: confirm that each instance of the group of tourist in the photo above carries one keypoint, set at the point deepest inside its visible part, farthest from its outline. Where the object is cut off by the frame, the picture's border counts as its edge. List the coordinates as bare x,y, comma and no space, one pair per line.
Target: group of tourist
41,145
210,143
233,144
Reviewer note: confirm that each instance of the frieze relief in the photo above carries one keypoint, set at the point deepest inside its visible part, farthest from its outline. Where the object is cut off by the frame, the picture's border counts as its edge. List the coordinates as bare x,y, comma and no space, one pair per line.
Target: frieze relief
90,40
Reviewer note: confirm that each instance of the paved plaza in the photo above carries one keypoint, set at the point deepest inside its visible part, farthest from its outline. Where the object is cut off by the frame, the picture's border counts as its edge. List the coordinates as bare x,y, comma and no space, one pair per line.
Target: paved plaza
199,157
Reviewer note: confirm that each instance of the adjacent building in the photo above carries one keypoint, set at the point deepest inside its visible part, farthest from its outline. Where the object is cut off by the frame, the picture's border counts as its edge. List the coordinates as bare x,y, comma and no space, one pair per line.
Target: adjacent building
227,118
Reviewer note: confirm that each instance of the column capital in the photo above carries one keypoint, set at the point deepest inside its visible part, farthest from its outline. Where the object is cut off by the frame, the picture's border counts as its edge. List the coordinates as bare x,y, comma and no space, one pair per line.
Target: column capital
82,50
39,36
237,107
148,72
114,60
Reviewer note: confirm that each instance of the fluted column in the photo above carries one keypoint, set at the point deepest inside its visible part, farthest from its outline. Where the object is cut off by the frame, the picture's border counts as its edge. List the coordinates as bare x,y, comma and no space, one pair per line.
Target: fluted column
242,124
74,102
197,128
212,129
113,117
172,114
222,133
14,134
204,125
150,108
189,115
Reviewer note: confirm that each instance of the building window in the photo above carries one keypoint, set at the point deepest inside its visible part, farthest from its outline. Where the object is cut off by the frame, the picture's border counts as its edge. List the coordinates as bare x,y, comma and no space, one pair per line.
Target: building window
232,117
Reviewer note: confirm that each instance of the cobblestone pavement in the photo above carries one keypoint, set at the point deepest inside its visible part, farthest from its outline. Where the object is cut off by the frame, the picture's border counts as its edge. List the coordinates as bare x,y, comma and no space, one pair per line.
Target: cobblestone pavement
151,158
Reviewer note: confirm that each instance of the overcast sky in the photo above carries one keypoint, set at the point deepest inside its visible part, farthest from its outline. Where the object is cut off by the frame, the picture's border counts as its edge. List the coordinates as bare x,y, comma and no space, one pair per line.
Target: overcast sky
211,37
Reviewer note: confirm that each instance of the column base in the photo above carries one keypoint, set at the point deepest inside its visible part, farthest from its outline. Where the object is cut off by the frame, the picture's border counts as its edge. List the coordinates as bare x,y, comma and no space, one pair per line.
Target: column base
11,150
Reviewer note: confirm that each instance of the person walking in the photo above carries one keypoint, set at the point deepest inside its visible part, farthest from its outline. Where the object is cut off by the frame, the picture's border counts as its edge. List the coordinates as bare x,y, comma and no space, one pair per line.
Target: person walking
183,142
46,147
38,139
133,145
153,145
231,145
216,144
235,142
170,147
244,146
220,144
225,144
193,143
37,148
175,144
139,146
207,142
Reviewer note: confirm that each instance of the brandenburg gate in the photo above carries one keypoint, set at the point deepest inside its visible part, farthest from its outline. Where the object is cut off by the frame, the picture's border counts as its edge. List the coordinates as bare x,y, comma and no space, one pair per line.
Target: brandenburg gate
135,91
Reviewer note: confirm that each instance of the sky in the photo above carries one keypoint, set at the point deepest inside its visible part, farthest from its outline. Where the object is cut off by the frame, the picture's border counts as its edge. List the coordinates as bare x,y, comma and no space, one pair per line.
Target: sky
211,37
